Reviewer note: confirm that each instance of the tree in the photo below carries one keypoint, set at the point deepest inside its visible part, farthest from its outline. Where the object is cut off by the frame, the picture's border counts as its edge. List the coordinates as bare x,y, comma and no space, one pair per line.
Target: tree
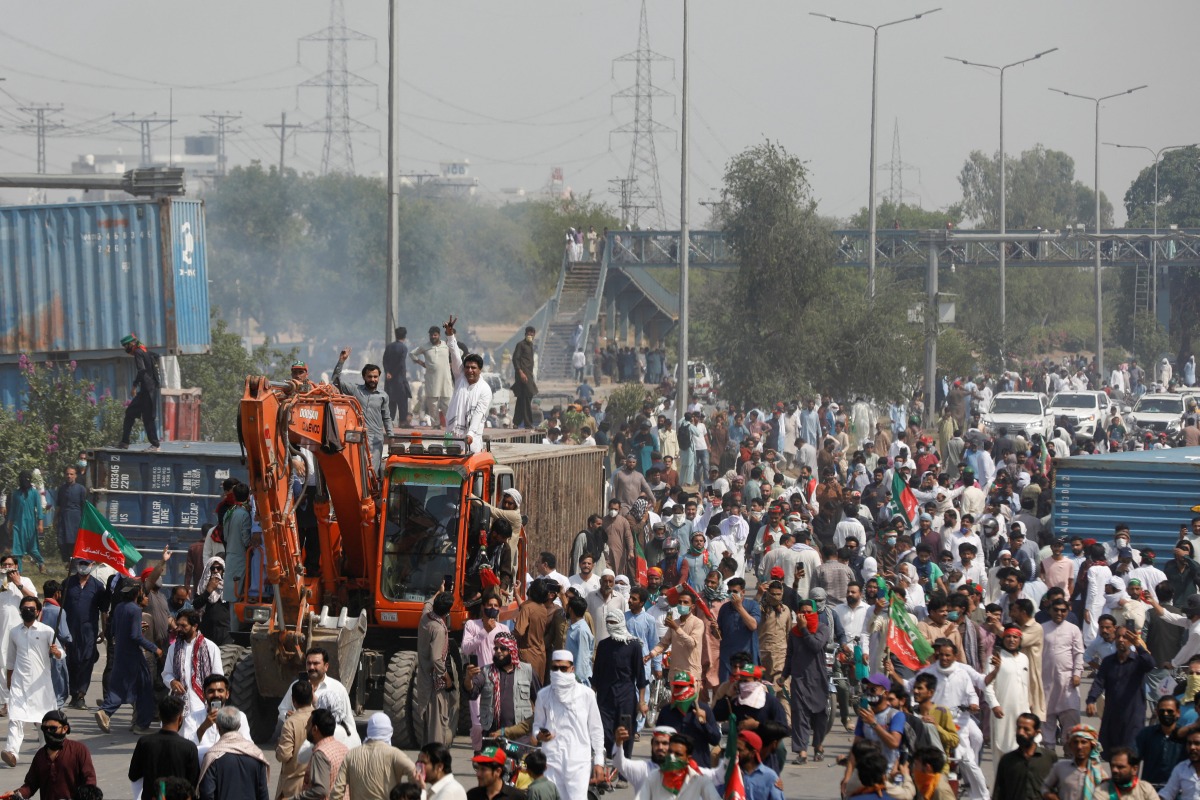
788,321
1041,187
1178,204
906,217
221,376
62,418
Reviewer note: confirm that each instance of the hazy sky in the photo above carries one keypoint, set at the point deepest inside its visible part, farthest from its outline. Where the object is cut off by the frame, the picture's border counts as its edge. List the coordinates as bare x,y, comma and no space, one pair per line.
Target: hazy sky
521,86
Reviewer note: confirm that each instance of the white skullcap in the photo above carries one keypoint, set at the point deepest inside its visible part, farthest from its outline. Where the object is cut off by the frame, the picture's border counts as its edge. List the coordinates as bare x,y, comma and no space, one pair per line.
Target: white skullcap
379,728
515,495
562,655
608,573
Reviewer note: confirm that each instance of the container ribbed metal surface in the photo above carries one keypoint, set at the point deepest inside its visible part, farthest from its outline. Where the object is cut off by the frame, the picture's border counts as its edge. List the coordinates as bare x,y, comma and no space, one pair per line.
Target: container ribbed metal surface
1152,490
76,277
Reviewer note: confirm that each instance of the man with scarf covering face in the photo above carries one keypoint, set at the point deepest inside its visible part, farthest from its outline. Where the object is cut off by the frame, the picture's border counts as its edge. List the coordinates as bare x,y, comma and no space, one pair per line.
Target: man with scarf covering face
61,765
618,677
567,724
1081,773
635,770
498,686
746,697
804,664
692,717
679,777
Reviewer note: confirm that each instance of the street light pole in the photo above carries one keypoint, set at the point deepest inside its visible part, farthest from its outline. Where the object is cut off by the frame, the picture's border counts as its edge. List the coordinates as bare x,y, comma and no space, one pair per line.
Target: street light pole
1096,270
871,210
1154,244
1003,188
681,371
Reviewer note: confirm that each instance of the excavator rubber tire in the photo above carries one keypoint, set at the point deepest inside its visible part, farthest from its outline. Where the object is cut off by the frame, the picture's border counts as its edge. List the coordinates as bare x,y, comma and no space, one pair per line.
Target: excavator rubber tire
397,698
231,654
261,712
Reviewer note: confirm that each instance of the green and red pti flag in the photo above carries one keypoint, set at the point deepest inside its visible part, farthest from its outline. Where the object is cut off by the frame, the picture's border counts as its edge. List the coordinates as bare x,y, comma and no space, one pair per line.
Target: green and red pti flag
905,642
903,501
735,787
98,540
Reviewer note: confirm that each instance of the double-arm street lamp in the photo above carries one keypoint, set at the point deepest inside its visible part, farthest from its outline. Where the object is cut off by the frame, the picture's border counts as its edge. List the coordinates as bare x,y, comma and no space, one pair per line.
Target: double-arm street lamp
1099,291
874,84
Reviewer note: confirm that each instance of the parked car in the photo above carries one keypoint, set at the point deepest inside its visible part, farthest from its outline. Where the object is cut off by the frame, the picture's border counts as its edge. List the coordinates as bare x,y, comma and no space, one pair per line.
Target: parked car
1022,413
501,396
1087,411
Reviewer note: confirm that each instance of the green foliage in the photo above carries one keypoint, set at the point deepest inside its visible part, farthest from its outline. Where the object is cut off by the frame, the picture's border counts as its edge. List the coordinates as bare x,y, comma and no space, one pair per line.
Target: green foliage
221,375
1178,204
303,257
1150,339
905,217
624,404
62,417
1042,190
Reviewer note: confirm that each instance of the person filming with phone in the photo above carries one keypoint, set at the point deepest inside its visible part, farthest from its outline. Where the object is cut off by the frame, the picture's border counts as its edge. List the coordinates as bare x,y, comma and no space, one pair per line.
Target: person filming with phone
200,727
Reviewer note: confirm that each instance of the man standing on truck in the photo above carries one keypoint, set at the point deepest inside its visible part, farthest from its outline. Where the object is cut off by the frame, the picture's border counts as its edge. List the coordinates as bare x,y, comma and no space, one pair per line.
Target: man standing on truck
524,386
374,404
438,381
472,397
395,364
144,404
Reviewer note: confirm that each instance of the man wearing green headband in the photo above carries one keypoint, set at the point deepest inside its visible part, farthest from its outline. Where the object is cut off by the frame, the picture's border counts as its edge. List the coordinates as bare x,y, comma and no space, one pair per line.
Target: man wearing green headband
144,403
692,717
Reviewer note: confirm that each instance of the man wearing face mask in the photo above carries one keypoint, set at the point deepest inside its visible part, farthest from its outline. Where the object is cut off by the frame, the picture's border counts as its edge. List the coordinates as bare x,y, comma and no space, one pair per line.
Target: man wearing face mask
568,727
618,536
59,767
619,676
28,653
804,665
1161,745
1112,550
692,717
684,637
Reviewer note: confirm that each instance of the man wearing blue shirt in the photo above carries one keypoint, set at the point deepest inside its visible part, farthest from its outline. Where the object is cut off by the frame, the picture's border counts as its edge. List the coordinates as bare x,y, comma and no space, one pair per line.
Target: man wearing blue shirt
738,621
758,778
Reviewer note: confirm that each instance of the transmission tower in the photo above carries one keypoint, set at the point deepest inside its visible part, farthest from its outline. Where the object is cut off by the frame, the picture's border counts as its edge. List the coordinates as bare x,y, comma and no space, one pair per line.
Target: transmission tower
643,190
897,167
40,126
222,122
624,188
145,126
337,79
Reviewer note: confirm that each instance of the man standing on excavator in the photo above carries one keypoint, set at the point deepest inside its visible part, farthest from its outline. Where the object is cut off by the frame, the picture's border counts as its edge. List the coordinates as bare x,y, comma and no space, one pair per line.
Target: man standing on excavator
374,402
472,397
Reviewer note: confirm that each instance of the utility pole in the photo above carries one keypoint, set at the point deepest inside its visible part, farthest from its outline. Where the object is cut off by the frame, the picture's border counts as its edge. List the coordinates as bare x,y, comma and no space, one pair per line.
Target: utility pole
681,369
40,126
222,122
931,329
145,126
282,133
393,231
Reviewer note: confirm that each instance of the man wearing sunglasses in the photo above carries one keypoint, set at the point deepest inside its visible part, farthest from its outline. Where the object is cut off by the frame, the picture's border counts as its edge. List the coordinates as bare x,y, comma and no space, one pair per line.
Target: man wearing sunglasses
566,722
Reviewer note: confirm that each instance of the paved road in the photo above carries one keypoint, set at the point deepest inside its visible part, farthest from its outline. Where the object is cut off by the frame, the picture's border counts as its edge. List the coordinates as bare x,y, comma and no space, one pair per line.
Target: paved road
111,754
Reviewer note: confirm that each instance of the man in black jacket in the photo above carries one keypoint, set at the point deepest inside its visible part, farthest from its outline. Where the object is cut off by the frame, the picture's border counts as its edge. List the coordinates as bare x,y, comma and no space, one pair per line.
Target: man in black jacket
144,404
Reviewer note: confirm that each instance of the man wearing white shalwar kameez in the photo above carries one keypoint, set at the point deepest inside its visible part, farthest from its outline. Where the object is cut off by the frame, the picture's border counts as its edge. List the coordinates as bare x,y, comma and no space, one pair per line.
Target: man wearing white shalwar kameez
472,398
566,722
28,651
14,588
1009,680
185,677
1062,671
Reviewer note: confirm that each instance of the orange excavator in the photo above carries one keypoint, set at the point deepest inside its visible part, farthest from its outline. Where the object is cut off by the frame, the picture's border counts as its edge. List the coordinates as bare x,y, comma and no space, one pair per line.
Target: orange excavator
388,542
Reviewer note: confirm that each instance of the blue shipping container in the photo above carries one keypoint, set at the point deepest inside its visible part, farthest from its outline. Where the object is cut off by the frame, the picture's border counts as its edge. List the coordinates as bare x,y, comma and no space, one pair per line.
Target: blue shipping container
77,277
1151,490
112,375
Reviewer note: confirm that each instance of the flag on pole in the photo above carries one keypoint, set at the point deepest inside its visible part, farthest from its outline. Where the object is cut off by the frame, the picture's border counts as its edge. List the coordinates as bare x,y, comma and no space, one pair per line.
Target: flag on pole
698,605
735,787
640,560
98,540
903,501
905,642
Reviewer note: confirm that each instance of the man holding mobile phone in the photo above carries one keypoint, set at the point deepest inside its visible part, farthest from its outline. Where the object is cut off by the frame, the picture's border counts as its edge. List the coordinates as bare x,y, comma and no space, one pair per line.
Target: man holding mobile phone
200,727
569,728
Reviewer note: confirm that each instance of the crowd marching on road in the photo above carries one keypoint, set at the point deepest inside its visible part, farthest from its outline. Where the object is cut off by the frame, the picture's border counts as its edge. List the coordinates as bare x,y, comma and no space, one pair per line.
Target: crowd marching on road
757,576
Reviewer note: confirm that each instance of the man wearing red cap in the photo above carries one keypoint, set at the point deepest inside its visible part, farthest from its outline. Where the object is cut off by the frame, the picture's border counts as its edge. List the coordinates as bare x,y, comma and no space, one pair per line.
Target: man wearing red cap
489,774
760,780
1009,679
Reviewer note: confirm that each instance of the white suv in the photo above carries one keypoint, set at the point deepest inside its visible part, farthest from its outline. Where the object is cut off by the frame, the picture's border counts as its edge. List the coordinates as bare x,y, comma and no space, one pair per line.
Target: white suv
1021,413
1086,411
1158,413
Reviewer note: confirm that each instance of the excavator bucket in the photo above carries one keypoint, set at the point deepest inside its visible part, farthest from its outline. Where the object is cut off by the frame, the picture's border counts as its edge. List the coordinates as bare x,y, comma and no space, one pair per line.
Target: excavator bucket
342,637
